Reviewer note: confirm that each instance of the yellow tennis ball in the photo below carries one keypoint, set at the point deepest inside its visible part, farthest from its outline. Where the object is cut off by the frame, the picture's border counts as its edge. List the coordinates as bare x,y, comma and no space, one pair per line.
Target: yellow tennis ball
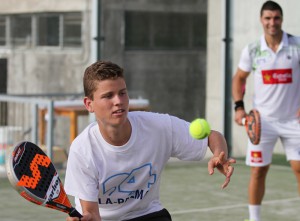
199,128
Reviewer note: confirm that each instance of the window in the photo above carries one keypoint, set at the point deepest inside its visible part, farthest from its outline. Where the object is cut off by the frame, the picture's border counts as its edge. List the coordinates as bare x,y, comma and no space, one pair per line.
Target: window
43,29
2,31
21,30
48,30
137,29
164,31
72,30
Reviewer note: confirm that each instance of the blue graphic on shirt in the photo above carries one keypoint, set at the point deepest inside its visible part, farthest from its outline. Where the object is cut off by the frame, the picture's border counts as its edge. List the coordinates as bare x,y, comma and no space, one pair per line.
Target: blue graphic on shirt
121,187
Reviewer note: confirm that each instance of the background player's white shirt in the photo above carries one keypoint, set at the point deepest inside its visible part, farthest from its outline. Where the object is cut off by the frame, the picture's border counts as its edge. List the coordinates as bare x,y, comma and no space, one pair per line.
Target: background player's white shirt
276,77
125,180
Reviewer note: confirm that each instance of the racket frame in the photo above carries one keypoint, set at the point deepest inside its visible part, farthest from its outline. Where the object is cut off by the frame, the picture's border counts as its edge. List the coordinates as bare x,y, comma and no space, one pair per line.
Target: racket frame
47,200
254,129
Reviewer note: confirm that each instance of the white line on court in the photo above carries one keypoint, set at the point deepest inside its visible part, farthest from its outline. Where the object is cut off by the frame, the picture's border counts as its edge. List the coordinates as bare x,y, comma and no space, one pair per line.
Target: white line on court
233,206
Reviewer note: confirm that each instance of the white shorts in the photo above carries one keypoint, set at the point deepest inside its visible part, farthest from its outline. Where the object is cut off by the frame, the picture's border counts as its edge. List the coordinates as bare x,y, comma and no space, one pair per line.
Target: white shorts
289,134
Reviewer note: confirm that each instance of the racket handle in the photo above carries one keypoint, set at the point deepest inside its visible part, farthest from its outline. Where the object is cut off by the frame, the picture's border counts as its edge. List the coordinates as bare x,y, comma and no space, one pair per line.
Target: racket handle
244,121
75,213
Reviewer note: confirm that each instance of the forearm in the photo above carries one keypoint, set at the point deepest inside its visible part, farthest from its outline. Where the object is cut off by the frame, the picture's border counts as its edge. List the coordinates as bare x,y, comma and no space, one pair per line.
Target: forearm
90,210
238,88
238,84
217,143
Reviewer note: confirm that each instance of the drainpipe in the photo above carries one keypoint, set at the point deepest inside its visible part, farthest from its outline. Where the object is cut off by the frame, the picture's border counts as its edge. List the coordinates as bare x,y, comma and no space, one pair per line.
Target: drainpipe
95,38
228,75
96,31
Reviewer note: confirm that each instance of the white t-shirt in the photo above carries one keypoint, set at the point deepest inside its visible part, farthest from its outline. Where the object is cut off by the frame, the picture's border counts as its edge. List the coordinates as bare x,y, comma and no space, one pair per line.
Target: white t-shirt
276,77
125,180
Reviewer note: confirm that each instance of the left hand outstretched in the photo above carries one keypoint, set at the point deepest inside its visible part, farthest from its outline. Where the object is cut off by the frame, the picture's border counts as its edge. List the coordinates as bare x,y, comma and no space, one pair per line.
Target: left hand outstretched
223,165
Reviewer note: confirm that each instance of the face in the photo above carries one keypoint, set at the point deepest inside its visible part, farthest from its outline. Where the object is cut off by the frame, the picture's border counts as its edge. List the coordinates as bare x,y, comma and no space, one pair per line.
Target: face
110,104
271,22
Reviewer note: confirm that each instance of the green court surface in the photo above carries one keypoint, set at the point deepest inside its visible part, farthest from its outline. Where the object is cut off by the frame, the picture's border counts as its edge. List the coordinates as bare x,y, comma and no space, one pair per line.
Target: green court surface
190,194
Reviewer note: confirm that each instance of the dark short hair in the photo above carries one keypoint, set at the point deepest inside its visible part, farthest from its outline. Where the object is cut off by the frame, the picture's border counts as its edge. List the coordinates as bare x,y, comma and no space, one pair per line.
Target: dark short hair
99,71
270,5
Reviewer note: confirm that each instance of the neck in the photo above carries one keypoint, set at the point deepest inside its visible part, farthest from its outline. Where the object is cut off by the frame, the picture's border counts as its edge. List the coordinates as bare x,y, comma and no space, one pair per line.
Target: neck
274,41
117,136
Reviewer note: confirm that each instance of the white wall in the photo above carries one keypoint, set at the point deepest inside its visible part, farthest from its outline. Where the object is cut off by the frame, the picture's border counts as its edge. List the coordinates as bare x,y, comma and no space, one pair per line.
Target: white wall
30,6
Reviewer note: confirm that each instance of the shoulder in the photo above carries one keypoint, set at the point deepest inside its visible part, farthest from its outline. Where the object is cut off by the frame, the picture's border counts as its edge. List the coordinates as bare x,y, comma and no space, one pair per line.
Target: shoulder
293,40
251,50
254,47
83,139
159,120
148,117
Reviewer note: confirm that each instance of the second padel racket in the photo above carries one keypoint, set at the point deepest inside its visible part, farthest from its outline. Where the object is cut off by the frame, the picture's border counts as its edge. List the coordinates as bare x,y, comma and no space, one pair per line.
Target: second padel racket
253,126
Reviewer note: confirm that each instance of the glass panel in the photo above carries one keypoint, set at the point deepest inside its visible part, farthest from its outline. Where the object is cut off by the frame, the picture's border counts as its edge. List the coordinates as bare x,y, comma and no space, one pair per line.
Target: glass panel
200,30
2,31
72,30
48,30
137,31
164,31
21,30
171,31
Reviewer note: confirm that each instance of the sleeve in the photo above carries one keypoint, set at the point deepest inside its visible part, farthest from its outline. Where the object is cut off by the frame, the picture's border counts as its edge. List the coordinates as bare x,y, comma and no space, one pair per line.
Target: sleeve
245,62
81,176
184,146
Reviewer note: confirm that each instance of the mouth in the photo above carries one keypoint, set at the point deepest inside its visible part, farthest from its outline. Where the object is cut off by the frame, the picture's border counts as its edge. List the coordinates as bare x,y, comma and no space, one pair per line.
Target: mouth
119,111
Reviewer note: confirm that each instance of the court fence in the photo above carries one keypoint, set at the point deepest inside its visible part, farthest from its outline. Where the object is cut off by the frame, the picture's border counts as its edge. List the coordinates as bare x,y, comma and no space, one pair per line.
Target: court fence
51,121
20,119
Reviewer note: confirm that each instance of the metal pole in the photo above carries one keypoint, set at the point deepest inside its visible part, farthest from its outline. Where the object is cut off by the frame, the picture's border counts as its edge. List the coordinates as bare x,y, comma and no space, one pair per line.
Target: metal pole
34,123
50,129
228,77
99,38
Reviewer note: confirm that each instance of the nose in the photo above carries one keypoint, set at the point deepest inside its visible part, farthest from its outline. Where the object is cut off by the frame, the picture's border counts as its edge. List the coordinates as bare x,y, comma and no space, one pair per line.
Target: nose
118,100
272,21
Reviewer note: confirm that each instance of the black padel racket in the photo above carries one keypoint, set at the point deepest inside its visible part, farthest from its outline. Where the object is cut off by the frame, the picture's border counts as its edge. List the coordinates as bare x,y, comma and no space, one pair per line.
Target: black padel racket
253,126
31,172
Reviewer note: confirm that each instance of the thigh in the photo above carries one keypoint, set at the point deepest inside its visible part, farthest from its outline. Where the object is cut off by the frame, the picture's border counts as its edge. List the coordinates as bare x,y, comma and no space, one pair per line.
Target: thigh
261,154
290,138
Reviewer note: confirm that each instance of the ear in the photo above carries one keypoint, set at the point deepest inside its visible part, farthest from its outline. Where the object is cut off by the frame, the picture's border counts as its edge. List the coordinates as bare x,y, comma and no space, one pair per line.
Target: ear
88,104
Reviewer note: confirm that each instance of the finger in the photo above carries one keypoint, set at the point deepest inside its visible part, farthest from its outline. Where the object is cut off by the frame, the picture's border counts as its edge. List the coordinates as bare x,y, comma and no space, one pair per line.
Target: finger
221,156
216,162
230,160
228,176
211,166
225,184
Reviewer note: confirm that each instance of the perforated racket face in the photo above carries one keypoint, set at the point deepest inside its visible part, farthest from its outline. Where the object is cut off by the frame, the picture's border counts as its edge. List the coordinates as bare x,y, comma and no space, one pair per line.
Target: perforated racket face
33,169
253,126
33,175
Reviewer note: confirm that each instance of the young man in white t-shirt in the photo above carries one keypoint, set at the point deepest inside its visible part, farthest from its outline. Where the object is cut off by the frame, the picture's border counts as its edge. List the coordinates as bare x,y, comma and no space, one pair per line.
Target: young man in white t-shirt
115,164
275,63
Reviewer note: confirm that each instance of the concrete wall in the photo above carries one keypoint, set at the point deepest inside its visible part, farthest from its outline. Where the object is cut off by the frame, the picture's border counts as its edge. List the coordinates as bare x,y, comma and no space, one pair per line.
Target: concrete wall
30,6
46,69
173,81
184,83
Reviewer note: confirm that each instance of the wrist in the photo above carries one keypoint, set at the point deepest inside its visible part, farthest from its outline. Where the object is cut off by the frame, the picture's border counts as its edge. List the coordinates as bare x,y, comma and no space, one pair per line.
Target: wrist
239,105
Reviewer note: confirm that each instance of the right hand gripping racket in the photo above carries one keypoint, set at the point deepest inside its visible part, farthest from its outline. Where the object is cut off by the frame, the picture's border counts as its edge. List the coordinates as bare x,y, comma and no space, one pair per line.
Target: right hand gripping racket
31,172
253,126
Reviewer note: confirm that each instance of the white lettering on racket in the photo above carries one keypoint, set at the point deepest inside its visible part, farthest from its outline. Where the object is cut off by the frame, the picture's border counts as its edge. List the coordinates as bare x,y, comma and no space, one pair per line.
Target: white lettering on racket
54,189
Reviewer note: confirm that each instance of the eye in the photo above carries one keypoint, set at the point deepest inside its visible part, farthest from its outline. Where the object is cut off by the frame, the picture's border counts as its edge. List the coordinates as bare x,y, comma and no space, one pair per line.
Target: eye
123,92
108,96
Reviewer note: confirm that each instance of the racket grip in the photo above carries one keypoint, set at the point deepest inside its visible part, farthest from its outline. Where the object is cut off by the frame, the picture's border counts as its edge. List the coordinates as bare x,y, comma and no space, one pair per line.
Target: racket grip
75,213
